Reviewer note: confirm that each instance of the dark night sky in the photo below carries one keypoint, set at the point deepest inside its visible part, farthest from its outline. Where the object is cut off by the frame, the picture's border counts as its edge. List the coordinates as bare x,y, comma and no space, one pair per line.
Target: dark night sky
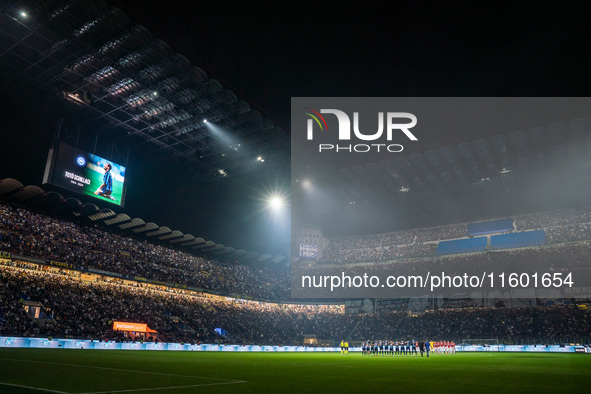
267,52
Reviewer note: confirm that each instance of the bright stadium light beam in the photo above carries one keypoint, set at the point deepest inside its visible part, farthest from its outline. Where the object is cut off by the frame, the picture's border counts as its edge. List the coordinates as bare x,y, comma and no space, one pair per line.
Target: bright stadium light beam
220,134
276,202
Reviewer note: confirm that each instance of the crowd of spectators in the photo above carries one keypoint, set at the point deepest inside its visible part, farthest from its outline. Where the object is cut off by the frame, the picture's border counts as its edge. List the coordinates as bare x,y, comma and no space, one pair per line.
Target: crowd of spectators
86,310
509,325
571,258
81,309
390,246
29,234
563,217
568,233
561,226
408,237
26,233
381,254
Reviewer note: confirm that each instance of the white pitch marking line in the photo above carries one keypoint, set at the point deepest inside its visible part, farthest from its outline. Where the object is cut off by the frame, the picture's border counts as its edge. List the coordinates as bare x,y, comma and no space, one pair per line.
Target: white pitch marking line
122,370
163,388
33,388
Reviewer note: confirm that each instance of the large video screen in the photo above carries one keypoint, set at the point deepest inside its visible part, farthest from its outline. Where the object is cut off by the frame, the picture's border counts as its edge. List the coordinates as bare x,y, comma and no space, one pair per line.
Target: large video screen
79,171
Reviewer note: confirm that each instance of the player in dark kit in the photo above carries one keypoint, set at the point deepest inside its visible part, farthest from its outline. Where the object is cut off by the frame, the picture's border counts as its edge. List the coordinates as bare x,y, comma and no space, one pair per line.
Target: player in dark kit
106,188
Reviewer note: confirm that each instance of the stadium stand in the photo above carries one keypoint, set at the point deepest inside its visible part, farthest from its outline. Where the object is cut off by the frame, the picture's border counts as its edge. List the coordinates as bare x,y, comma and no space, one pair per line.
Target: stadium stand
85,310
457,246
559,227
29,234
79,308
518,240
490,227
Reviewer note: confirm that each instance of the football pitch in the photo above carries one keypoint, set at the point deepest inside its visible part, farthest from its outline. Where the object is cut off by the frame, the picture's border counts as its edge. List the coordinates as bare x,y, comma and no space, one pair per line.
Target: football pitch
119,371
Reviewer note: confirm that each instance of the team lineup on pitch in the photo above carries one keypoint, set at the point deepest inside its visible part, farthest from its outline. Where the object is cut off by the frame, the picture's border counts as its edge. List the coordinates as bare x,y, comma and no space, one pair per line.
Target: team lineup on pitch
403,348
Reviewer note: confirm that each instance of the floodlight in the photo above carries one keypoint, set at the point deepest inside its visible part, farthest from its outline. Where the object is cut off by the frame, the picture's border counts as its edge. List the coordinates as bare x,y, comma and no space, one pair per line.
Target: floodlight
275,202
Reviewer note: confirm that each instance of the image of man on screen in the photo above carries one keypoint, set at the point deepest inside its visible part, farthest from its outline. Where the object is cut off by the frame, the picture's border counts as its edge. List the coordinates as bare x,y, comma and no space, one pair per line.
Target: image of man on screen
106,188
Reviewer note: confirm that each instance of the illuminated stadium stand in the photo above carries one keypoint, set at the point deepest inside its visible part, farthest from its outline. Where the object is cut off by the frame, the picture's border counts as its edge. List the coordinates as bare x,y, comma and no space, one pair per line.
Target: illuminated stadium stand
90,306
518,240
490,227
456,246
133,51
497,242
128,257
324,328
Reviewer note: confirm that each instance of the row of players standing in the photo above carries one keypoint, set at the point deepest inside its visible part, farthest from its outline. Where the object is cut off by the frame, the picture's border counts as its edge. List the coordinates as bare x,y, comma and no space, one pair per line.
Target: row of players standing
403,348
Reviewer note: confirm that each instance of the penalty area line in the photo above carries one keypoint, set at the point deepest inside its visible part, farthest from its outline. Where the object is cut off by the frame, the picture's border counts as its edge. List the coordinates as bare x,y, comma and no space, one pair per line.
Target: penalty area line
161,388
123,370
33,388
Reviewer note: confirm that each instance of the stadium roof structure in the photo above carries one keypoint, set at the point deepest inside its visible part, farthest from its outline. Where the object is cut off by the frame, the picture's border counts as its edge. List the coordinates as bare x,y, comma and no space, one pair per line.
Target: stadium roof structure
33,196
117,74
536,169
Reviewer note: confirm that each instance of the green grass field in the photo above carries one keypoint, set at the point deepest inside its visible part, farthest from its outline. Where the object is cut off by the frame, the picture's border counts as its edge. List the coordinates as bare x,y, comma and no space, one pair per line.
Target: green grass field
111,371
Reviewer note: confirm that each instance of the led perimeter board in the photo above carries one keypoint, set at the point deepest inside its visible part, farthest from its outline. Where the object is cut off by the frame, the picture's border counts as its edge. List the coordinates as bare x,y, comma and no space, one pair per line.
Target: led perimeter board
76,170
